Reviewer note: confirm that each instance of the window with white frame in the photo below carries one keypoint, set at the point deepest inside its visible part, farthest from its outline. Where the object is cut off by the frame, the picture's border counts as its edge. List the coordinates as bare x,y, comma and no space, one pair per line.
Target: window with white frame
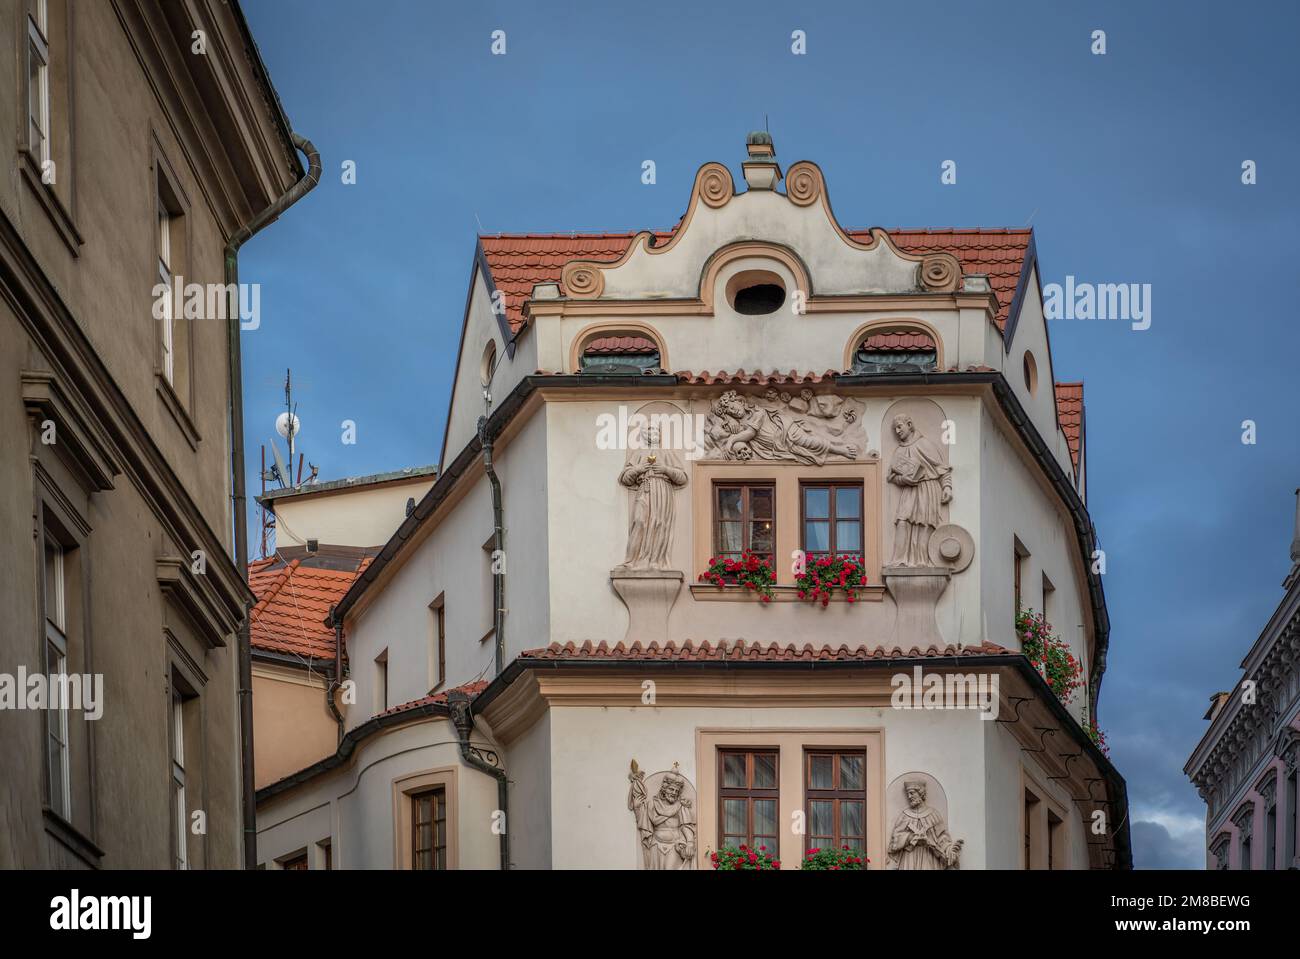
38,80
180,820
165,279
56,664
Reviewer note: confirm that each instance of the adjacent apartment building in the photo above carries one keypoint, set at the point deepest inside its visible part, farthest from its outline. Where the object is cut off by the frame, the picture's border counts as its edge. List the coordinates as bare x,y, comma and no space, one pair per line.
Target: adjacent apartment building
1247,765
728,545
144,143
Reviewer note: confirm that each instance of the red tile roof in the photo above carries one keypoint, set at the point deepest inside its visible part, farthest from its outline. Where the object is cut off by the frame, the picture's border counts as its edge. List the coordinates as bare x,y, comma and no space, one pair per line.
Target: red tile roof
520,261
293,600
437,699
899,342
1069,409
621,344
738,651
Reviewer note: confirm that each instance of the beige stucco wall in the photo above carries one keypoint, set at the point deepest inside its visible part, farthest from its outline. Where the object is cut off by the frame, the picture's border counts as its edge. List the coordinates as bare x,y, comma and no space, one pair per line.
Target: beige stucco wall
357,517
292,725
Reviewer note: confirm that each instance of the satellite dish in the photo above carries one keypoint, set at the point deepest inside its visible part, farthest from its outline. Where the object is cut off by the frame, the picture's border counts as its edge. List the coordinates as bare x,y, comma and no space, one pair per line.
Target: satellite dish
287,425
285,475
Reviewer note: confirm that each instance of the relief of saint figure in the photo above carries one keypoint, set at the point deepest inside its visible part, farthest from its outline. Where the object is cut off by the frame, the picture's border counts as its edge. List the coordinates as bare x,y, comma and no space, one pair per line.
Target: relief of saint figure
665,822
919,839
777,428
654,475
924,479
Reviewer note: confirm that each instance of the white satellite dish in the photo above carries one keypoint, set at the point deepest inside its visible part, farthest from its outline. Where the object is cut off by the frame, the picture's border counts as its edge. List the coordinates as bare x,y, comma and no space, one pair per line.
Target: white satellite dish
286,478
287,425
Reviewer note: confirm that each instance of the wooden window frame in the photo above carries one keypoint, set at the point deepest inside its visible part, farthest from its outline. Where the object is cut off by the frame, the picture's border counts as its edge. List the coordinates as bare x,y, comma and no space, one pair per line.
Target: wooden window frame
746,521
408,786
836,795
430,797
832,520
438,652
749,793
55,655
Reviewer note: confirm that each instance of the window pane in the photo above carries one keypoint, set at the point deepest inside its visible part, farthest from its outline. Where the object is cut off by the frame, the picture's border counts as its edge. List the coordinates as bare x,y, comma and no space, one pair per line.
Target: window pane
729,503
848,502
820,772
733,770
760,537
764,770
760,502
729,538
54,583
851,772
764,817
848,537
735,840
816,502
850,820
817,537
821,817
733,817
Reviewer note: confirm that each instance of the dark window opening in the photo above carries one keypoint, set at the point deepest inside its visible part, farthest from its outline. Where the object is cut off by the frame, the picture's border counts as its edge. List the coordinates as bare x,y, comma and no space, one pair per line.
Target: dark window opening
896,352
759,300
620,354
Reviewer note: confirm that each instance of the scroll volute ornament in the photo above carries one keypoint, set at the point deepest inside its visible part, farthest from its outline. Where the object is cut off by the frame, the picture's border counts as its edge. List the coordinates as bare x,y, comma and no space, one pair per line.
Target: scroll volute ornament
940,273
583,281
803,184
714,185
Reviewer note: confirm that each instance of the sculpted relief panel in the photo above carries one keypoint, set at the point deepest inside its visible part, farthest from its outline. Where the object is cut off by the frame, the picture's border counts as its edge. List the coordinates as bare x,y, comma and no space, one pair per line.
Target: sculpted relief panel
806,427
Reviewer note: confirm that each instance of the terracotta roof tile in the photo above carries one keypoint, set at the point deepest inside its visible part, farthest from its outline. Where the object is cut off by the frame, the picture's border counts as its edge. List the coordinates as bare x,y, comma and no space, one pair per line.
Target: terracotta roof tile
899,342
740,651
1069,409
293,600
437,699
520,261
621,344
756,378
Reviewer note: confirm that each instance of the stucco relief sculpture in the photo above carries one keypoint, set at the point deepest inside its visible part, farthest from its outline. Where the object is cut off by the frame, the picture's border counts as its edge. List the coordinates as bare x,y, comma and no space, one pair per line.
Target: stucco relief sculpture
654,475
807,428
920,470
919,837
664,807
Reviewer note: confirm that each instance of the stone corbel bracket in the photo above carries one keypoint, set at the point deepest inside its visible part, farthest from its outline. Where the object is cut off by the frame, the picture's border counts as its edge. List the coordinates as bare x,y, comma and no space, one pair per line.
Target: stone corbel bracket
213,620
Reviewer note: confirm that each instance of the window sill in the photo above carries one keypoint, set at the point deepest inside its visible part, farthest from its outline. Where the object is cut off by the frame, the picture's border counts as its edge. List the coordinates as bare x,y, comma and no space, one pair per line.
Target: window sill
50,202
870,593
69,836
177,410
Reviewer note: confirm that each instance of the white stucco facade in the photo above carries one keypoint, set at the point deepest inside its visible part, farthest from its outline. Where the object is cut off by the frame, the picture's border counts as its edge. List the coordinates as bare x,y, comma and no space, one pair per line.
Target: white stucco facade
566,716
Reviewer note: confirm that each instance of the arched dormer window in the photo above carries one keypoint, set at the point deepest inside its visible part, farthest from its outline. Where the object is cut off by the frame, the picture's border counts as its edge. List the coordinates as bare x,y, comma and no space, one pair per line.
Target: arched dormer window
619,353
903,350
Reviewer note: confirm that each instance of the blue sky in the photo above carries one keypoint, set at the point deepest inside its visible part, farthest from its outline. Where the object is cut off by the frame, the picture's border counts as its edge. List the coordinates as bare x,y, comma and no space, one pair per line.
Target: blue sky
1127,165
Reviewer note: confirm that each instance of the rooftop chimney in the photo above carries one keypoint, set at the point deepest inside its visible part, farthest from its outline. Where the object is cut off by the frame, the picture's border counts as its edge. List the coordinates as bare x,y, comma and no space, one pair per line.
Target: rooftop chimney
761,170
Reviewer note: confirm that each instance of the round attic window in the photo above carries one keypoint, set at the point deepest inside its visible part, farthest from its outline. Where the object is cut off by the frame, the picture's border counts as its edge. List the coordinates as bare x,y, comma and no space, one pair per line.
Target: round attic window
1031,373
756,292
489,364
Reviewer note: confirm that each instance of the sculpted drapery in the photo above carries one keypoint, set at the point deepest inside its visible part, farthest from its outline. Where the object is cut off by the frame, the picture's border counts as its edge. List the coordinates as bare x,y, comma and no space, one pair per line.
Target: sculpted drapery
653,474
924,480
919,838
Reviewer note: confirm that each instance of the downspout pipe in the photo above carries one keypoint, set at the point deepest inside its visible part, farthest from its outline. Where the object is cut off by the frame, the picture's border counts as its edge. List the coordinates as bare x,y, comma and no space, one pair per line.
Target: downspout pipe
462,718
460,710
237,494
498,548
337,681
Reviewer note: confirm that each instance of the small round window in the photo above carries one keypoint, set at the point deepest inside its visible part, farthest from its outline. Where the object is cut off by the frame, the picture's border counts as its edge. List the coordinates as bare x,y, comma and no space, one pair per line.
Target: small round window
1031,373
489,365
756,292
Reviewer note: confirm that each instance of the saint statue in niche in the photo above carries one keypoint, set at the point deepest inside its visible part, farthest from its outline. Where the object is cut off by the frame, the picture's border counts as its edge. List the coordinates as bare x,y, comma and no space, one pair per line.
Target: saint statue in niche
653,474
920,471
919,839
665,822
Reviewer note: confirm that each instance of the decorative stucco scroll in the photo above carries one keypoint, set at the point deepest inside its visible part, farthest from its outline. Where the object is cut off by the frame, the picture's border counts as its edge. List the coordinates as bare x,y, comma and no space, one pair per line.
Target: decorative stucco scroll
918,835
582,281
803,184
940,273
805,428
714,184
664,807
